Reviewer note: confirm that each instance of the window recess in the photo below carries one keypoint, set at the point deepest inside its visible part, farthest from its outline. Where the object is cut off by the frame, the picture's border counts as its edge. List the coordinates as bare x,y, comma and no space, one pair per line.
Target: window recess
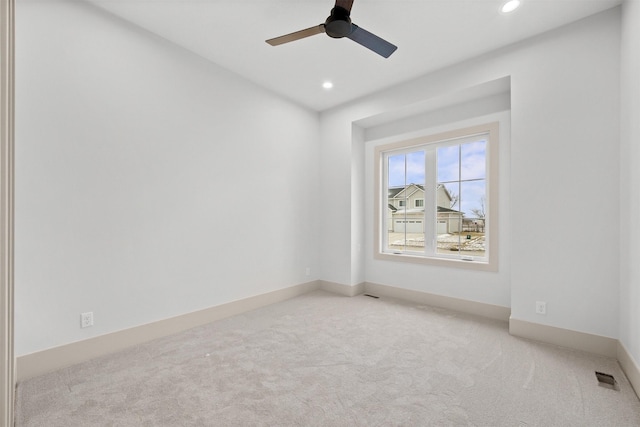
436,199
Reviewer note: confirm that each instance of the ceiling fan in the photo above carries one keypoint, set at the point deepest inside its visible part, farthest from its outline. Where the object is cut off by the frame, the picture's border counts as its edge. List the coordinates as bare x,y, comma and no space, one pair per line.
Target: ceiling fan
339,25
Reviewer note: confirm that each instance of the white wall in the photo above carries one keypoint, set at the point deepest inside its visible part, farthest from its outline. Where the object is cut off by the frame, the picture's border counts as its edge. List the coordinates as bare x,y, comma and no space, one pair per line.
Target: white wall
132,162
564,161
565,136
358,208
129,151
630,181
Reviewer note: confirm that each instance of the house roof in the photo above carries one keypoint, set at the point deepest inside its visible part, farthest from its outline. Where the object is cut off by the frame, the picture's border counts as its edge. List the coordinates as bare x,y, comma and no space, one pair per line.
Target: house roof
394,191
445,210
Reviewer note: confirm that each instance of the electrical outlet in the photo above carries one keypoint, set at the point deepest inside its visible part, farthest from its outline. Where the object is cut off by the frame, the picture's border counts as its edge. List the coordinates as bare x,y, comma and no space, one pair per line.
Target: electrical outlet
308,271
541,307
86,319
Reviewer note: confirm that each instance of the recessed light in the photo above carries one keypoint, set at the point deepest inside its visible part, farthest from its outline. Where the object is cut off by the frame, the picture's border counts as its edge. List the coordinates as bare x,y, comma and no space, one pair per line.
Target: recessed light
510,6
327,85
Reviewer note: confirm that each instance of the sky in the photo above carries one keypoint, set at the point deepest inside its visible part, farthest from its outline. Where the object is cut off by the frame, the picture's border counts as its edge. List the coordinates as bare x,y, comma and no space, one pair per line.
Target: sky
461,168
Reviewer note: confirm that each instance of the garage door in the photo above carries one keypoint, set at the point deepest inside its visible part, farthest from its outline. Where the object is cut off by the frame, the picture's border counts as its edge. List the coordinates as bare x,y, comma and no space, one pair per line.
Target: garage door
410,225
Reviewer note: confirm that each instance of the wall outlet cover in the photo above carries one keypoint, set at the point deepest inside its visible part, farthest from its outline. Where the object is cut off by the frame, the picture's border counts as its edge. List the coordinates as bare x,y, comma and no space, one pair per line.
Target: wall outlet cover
86,319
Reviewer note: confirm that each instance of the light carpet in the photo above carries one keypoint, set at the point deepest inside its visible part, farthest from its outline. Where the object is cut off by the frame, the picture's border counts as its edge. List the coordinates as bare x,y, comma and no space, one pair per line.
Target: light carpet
326,360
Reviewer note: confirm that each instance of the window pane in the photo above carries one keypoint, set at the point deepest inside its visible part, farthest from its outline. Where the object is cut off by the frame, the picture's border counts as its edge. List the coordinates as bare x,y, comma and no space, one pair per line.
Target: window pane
473,204
448,218
405,217
448,163
447,195
473,198
397,171
415,168
461,197
474,163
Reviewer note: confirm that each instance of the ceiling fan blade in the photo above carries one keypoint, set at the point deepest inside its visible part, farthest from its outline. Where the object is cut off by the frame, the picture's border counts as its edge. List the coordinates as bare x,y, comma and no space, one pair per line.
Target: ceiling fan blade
345,4
297,35
371,41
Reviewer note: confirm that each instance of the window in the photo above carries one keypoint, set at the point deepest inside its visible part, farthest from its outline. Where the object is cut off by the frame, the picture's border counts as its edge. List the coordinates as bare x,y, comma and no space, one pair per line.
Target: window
436,199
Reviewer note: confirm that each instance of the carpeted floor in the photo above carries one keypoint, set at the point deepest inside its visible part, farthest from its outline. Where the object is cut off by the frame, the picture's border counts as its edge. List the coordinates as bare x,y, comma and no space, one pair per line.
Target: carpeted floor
326,360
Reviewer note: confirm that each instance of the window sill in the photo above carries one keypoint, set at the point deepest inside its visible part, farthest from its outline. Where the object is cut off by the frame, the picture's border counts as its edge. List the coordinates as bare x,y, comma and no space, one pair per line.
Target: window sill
491,265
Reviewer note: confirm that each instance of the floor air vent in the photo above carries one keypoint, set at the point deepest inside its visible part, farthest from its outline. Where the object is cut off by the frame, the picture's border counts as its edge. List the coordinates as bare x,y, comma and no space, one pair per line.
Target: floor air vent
606,380
371,296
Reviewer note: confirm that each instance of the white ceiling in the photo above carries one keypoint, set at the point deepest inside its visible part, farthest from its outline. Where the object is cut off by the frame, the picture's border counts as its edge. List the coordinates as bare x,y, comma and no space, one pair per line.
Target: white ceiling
430,34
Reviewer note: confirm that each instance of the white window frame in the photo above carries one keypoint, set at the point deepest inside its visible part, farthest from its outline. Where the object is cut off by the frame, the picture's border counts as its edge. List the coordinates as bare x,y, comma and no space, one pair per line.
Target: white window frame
415,203
429,255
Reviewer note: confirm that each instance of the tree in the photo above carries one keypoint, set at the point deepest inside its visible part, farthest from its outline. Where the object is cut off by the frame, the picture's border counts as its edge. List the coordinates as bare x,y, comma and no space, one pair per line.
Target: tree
479,212
454,199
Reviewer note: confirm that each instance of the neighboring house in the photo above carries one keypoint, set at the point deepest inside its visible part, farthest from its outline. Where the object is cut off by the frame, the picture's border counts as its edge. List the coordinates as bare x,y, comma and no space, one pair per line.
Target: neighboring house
406,210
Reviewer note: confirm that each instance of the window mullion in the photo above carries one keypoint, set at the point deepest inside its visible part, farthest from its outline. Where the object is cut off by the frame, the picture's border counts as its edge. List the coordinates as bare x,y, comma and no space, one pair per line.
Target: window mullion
460,198
430,202
406,222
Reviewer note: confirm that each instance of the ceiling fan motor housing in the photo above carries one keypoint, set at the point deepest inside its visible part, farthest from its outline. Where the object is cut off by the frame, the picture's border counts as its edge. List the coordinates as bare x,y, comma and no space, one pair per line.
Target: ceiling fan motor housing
338,24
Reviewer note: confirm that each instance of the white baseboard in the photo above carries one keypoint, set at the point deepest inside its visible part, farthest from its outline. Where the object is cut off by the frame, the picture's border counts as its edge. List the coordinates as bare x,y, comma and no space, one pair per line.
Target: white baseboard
42,362
630,367
596,344
340,289
470,307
